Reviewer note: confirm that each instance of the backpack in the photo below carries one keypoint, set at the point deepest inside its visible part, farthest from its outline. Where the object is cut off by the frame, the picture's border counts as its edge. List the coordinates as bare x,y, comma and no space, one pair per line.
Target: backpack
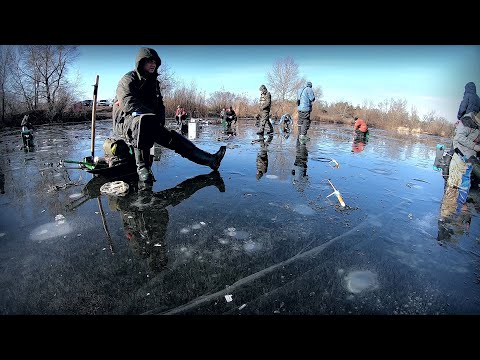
116,148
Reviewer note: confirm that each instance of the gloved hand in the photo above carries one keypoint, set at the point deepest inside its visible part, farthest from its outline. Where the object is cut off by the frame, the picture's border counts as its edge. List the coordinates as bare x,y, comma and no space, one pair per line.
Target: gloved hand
476,148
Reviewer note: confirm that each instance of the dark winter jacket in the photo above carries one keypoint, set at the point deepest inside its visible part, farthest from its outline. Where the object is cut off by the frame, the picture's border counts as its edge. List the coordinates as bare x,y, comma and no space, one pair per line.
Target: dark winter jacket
230,115
139,92
265,99
470,102
287,118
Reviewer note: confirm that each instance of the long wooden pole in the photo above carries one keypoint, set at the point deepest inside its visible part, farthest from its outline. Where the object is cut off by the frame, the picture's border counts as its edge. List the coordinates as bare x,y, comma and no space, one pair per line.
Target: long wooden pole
94,110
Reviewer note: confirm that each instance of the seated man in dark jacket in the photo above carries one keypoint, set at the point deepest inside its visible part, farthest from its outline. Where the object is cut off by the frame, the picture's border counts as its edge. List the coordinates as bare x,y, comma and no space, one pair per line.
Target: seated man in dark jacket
230,116
139,118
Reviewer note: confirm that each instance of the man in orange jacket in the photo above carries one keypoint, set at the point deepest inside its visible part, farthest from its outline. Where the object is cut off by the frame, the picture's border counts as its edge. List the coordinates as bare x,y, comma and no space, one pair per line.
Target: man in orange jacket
361,129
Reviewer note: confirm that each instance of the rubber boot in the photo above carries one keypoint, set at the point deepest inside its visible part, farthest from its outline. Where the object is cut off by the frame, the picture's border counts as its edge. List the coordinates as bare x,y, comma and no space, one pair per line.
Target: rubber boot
190,186
148,162
142,170
188,150
217,180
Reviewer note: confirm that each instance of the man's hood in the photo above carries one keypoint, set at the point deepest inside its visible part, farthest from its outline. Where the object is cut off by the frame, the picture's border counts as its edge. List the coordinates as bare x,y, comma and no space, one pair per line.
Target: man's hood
144,54
471,88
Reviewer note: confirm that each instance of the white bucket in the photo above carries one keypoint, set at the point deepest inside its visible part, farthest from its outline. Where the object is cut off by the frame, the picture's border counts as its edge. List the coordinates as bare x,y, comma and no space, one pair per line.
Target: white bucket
192,129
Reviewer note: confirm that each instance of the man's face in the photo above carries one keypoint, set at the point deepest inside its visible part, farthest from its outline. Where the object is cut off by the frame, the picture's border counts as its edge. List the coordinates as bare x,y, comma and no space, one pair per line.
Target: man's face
150,66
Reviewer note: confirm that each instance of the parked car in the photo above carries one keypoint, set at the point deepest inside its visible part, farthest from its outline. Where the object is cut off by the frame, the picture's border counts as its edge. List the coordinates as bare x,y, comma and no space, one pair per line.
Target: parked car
104,103
87,102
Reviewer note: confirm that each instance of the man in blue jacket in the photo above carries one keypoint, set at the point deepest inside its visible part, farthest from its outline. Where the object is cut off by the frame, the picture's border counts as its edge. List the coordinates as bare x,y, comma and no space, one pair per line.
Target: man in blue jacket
305,98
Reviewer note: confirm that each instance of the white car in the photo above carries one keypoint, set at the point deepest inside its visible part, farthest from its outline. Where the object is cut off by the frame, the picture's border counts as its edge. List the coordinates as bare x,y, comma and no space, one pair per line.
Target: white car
104,103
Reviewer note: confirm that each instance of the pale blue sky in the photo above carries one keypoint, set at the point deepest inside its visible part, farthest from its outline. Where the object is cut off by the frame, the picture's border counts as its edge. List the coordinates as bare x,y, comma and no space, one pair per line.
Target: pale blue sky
427,76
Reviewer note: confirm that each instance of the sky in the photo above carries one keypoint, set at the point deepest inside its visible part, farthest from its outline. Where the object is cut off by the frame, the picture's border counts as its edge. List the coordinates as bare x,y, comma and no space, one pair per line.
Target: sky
429,77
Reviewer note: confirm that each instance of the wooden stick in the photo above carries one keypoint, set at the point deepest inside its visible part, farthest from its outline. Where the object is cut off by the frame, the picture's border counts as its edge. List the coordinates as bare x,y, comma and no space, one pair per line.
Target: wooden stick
94,110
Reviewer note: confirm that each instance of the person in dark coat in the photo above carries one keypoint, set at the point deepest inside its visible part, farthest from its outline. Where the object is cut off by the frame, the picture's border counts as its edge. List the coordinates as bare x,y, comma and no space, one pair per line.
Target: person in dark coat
139,118
265,105
470,102
230,116
27,132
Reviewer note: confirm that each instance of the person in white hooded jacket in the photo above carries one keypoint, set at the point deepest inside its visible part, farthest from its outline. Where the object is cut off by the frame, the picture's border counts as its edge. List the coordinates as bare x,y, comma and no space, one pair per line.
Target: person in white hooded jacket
465,145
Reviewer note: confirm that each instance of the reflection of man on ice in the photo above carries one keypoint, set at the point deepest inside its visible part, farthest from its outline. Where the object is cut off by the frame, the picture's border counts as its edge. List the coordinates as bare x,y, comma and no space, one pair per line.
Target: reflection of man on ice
145,216
262,156
285,122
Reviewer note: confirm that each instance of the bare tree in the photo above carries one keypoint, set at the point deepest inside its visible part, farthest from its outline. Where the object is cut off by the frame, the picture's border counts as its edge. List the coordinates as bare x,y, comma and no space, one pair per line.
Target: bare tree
186,96
166,79
284,79
41,75
5,66
241,105
220,99
318,91
25,83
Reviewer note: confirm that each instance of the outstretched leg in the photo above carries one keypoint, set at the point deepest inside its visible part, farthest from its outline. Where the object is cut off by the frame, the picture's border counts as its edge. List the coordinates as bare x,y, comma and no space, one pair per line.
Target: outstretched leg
187,149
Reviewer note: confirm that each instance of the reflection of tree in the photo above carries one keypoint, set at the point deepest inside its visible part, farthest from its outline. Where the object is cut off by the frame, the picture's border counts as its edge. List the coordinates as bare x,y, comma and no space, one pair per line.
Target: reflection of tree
145,217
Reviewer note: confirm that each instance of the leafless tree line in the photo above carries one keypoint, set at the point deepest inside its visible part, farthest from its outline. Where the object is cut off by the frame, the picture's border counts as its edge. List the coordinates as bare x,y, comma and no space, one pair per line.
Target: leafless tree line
390,114
33,78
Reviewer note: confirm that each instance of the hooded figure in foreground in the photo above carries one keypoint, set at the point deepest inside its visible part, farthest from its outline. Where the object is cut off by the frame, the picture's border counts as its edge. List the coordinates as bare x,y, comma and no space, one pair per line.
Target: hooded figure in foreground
139,118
